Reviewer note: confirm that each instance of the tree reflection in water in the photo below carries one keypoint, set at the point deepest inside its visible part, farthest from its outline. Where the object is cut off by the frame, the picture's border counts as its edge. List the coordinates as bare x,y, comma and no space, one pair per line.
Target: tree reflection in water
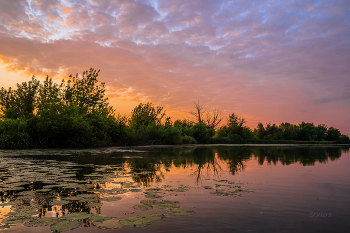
152,167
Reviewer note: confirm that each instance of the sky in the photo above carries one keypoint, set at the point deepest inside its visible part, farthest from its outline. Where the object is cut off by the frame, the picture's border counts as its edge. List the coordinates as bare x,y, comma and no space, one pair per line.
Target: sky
269,61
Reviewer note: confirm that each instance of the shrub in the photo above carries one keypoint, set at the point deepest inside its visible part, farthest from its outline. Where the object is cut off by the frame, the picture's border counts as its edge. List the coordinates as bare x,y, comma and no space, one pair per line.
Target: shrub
201,133
14,134
188,140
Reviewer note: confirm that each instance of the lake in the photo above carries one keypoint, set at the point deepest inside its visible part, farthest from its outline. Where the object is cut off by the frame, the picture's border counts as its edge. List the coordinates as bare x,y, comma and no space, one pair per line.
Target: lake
189,189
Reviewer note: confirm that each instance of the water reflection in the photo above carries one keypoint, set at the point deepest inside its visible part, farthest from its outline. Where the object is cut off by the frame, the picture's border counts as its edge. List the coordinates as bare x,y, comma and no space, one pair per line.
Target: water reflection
31,186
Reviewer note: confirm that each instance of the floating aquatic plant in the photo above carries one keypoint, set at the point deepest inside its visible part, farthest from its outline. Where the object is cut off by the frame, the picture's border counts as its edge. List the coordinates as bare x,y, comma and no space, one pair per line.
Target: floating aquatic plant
109,199
152,195
59,202
75,216
99,218
141,220
38,222
142,207
180,212
64,226
111,224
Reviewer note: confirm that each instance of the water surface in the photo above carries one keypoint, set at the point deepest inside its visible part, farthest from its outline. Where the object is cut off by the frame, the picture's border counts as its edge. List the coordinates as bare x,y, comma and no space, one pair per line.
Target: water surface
222,189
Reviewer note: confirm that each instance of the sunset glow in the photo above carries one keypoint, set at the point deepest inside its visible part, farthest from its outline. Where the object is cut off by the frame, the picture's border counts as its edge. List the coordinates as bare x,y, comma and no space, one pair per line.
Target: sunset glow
269,61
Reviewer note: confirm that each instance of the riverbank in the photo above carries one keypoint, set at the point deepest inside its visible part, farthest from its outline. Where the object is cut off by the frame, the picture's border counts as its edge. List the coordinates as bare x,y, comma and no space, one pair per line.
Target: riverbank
140,149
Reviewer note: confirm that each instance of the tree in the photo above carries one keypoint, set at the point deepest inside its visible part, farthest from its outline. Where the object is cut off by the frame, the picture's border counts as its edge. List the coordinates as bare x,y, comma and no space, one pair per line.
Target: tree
332,134
19,103
210,119
74,113
146,114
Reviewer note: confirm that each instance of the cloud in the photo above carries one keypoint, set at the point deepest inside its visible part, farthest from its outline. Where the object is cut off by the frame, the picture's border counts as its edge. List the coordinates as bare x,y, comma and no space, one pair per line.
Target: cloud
269,60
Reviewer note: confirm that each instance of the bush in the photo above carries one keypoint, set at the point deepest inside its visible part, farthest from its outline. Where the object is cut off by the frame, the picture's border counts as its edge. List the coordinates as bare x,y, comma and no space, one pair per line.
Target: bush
14,134
188,140
201,133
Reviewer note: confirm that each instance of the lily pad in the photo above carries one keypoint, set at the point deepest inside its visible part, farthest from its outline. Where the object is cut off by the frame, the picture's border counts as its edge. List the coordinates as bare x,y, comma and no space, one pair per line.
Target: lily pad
109,199
141,220
43,190
59,202
167,206
75,216
152,195
219,185
16,219
135,190
231,192
148,202
142,207
99,218
94,204
180,188
38,222
11,203
72,198
111,224
180,212
64,226
5,226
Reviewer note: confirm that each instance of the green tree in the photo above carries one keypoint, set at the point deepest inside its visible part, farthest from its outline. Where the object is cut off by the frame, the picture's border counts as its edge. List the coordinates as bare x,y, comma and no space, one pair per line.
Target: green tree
146,114
19,103
333,134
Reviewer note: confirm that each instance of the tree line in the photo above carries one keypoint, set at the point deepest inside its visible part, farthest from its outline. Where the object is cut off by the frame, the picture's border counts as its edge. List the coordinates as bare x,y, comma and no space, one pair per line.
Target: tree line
76,113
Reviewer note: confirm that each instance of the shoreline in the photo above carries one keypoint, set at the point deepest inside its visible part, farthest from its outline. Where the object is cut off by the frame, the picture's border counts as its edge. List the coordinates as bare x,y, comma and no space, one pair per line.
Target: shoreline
142,149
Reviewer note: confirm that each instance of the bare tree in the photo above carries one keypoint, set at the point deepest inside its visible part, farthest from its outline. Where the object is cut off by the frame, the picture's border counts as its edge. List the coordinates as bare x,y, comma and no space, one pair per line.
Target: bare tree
210,118
213,118
198,112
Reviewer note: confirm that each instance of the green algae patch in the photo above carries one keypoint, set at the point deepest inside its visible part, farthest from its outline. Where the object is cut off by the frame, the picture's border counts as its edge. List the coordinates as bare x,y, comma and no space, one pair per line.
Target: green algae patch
38,222
64,226
109,199
110,224
142,207
152,195
99,218
180,212
75,216
141,220
59,202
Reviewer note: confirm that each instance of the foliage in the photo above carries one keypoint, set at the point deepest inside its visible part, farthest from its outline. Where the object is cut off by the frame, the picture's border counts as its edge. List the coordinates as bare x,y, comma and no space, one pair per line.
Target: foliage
14,134
70,114
76,113
201,133
146,114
